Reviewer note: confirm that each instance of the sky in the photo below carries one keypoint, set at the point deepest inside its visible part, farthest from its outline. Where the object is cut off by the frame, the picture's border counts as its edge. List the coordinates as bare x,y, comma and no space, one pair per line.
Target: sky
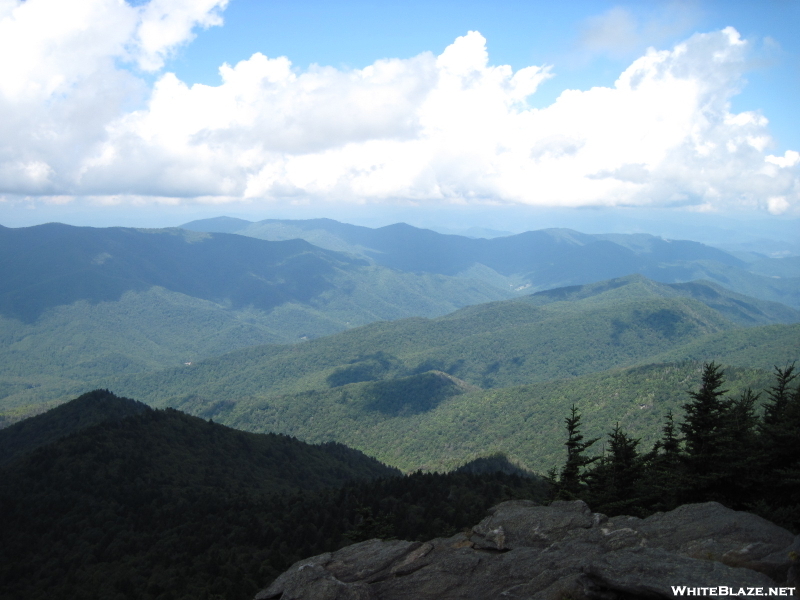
674,118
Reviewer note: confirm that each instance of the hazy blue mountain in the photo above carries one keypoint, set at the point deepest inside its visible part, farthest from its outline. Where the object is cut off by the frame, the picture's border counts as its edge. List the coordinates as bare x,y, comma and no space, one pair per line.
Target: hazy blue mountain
400,390
542,337
51,265
79,303
534,260
742,310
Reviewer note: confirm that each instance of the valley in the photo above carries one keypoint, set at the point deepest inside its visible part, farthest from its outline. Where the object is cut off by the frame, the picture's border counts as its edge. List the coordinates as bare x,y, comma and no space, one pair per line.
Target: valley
195,411
407,361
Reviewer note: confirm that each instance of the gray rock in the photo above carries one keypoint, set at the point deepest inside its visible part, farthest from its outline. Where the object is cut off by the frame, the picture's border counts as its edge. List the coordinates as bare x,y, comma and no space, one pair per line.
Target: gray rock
521,523
713,532
523,551
651,573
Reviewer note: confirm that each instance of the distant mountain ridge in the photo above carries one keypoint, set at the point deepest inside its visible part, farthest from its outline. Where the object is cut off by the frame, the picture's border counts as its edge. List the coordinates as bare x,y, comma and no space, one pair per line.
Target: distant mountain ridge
80,307
537,260
548,335
51,265
78,303
425,393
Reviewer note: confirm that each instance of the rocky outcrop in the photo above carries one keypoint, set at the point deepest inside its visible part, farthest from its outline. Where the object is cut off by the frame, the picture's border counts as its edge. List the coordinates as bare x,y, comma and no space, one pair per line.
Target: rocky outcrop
562,551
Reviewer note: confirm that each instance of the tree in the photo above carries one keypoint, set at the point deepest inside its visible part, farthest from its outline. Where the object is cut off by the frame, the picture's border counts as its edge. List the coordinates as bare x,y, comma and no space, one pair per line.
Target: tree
614,481
740,460
779,437
572,482
701,432
779,396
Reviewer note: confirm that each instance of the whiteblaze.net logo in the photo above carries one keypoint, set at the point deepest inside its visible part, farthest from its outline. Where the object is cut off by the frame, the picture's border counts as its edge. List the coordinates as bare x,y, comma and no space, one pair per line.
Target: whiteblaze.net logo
723,590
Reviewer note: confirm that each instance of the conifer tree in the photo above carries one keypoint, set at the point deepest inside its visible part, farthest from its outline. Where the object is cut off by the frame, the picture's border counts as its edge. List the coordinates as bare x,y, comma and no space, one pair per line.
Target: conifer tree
614,481
779,396
740,460
571,483
701,431
780,443
779,430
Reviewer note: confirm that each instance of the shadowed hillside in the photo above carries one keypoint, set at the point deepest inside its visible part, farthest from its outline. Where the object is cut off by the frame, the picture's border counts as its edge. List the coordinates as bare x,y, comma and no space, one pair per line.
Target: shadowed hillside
534,260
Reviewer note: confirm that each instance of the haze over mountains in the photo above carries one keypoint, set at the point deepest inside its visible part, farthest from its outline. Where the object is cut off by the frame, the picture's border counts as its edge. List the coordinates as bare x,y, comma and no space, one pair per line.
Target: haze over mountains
417,392
417,350
84,307
536,260
78,302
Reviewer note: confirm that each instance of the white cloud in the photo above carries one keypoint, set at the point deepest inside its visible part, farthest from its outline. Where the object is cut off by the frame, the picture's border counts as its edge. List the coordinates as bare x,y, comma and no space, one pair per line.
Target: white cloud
167,24
450,128
61,84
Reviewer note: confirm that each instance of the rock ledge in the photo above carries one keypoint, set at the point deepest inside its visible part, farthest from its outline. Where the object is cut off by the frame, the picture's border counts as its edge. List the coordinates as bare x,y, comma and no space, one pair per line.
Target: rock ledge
523,551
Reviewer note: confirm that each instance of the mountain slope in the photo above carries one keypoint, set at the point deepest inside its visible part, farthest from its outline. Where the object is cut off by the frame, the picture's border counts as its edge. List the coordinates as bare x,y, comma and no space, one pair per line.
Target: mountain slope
525,422
534,260
89,409
161,504
742,310
77,304
53,265
99,433
491,345
422,393
542,337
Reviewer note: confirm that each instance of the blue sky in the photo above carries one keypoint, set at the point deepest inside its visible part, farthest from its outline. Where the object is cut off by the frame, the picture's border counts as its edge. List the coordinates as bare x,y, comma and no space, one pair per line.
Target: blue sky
520,34
647,116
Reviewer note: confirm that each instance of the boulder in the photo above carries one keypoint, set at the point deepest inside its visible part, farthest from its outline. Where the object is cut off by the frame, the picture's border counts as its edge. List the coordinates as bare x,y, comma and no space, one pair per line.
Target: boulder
523,551
521,523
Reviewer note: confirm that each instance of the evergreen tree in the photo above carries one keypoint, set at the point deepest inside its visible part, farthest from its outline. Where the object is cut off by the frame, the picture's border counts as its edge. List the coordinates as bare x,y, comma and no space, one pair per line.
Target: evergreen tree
780,443
779,396
701,431
779,430
572,482
740,460
614,481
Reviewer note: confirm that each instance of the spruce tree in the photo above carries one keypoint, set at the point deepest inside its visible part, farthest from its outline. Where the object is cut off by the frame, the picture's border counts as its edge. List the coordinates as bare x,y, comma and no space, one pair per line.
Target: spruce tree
779,437
663,480
572,482
701,429
740,460
614,480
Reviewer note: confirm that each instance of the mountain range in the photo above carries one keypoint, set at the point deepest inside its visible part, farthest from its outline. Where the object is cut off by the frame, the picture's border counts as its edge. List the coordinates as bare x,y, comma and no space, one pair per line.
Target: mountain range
535,260
400,337
434,393
77,303
342,356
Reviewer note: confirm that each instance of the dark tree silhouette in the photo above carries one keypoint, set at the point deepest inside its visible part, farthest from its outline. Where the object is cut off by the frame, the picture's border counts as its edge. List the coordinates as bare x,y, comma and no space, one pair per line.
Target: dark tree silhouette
572,482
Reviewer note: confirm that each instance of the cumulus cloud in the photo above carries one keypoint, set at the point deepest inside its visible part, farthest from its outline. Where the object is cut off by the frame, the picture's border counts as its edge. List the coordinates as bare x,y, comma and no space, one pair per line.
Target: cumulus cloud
63,79
448,128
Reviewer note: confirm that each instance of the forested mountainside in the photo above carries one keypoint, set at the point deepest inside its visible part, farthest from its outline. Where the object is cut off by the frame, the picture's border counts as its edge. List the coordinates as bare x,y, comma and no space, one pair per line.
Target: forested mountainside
99,406
535,260
158,504
435,393
77,303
